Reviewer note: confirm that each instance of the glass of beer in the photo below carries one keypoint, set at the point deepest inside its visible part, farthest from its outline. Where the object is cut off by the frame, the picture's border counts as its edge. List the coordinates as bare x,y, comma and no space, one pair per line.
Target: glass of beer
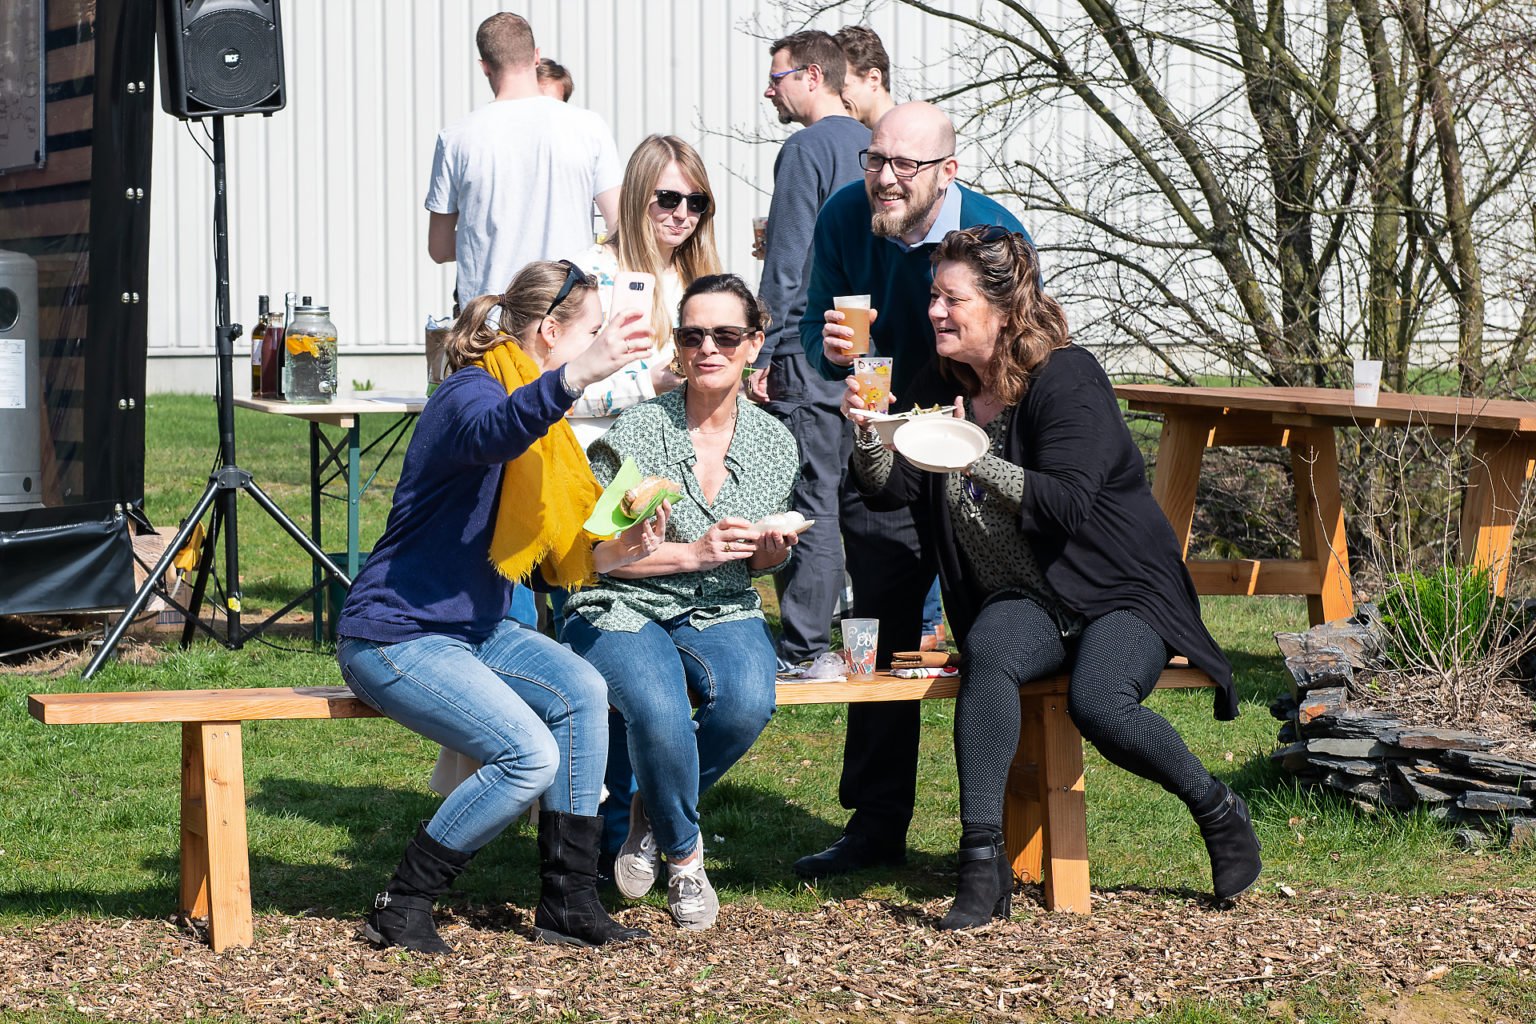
874,376
855,310
759,235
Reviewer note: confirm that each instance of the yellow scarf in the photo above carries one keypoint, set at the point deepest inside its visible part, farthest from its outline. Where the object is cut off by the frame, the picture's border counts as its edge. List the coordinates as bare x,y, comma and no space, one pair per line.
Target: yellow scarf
546,493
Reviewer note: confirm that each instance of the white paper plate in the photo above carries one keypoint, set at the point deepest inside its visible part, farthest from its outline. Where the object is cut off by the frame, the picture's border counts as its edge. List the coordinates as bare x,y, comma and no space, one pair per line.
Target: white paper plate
940,444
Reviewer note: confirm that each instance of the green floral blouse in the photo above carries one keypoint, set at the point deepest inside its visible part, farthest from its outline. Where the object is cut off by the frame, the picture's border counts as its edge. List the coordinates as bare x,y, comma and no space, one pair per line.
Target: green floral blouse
761,464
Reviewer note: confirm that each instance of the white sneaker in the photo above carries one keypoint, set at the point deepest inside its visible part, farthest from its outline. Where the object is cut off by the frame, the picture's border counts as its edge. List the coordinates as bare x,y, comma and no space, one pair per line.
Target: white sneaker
638,862
690,897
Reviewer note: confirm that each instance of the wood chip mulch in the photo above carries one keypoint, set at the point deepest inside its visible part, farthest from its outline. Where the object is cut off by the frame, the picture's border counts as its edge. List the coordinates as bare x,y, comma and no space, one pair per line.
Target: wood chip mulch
856,960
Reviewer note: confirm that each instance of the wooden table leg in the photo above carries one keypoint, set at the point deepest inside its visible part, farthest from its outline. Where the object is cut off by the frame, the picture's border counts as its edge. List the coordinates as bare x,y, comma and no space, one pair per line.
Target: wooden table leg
215,864
1066,809
1495,485
1024,801
1320,516
1180,449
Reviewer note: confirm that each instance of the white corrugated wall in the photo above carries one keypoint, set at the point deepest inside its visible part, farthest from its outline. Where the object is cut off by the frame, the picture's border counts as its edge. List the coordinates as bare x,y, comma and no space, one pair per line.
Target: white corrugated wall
325,197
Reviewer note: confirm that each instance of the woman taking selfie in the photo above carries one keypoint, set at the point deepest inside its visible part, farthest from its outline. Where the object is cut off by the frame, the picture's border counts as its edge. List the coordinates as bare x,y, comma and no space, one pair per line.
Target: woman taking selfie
493,489
685,619
666,229
1053,556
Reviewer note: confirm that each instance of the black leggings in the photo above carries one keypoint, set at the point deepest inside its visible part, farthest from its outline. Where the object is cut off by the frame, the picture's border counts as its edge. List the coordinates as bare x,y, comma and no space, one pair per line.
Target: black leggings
1115,665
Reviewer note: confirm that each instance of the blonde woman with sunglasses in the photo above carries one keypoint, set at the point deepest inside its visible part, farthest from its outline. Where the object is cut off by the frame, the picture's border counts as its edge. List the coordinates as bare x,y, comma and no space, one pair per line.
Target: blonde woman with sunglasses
666,229
685,619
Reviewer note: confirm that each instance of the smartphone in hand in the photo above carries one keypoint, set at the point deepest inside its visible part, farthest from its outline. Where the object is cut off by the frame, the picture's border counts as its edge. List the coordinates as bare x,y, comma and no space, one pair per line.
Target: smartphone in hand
632,289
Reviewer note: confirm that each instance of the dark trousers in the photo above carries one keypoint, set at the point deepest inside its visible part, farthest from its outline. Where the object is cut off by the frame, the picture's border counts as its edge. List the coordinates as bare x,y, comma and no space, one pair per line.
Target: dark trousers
811,583
892,566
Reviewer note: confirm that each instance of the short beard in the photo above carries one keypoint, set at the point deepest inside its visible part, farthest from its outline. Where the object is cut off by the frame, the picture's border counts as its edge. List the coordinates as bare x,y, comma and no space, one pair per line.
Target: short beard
892,225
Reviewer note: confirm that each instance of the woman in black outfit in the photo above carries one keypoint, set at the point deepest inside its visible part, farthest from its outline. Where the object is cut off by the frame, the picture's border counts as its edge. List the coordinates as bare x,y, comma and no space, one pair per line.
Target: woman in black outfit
1052,555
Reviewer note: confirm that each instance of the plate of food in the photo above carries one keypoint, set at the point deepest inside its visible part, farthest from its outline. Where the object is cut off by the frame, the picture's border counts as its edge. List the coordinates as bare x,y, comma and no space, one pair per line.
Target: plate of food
940,444
630,498
789,522
887,423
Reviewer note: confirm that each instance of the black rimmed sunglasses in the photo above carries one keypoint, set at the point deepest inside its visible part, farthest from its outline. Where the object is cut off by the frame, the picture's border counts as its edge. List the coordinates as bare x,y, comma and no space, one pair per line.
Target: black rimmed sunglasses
668,199
574,276
725,337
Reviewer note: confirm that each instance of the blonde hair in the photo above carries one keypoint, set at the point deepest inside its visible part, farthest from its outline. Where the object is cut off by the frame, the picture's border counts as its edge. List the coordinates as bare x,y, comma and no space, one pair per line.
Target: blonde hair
1007,271
523,303
635,238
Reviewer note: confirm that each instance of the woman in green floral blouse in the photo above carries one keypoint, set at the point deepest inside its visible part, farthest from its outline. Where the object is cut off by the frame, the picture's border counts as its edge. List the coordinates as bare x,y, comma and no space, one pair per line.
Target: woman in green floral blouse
685,620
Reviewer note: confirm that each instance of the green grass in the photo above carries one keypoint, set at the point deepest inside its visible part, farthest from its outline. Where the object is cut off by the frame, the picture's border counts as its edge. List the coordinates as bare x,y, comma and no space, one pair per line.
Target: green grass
88,825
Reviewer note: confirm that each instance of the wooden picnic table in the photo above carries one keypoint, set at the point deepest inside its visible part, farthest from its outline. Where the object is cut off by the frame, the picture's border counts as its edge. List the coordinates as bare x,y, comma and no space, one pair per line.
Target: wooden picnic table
1304,420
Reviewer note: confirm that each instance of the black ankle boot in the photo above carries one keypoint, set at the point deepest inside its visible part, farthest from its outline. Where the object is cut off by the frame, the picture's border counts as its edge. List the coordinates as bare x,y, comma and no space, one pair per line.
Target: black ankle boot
986,883
569,911
1229,839
402,913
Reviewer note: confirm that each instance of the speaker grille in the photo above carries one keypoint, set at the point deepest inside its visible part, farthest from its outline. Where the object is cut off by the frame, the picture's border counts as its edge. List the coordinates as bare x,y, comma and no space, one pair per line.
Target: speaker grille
231,60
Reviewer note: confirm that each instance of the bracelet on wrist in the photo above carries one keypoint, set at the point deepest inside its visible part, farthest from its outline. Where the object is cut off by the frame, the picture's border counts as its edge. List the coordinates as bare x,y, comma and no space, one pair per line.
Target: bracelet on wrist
572,393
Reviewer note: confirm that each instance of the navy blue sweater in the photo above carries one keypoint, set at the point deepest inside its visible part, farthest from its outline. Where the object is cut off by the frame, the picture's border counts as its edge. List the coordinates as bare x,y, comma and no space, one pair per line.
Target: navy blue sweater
848,259
431,572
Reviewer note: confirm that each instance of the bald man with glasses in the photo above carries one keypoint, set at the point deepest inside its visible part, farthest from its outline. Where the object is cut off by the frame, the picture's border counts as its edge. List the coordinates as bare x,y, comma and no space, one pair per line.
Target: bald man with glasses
877,237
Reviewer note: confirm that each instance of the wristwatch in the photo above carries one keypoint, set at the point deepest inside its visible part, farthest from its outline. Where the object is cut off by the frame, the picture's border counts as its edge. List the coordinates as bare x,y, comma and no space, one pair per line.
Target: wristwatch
570,392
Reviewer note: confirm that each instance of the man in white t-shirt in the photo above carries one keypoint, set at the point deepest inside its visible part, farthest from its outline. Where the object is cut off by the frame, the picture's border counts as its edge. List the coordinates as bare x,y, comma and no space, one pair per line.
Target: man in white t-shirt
515,181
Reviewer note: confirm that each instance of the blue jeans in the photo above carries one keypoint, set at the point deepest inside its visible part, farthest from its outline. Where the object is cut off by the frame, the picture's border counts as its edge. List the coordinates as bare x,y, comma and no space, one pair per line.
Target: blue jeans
678,753
531,712
933,611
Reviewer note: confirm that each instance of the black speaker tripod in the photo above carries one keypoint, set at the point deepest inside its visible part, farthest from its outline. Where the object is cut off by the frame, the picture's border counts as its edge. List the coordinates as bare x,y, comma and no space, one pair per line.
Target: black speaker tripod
225,483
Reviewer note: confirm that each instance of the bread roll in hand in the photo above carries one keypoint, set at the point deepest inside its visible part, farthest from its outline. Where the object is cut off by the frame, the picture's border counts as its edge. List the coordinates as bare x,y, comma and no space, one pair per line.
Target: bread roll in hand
639,496
784,522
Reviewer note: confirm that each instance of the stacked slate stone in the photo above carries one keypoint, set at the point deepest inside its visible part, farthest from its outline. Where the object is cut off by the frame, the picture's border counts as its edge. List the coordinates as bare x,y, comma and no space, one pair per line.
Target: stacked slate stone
1331,737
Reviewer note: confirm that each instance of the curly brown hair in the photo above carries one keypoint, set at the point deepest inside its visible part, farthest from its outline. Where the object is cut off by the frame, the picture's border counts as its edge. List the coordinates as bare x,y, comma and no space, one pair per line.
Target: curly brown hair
1007,270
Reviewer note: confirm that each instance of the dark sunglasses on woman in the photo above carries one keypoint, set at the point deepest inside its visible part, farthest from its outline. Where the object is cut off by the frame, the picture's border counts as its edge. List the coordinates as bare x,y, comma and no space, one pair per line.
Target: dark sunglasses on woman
725,337
668,199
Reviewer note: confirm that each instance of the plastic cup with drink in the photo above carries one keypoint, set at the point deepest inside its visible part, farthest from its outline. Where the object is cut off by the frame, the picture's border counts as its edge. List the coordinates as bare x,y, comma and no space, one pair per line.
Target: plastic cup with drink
759,236
855,310
860,643
874,376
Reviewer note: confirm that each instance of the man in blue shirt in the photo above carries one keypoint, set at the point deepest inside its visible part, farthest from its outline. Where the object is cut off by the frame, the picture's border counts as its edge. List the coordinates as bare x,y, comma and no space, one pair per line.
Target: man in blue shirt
877,237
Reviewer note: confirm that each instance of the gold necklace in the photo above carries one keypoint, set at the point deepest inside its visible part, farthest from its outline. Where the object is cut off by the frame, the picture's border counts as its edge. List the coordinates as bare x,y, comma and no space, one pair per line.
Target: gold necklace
700,430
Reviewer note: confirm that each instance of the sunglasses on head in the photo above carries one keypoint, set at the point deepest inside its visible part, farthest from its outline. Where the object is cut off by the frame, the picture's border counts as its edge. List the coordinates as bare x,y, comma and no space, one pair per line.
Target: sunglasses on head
573,276
984,235
668,199
725,337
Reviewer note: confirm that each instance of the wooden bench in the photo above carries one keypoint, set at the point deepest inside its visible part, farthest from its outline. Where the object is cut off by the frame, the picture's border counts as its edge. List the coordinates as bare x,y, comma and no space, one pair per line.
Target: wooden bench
1045,815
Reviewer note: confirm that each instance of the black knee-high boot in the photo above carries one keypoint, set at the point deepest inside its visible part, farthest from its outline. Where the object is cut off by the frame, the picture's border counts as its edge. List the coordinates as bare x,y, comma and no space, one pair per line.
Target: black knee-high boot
1229,839
569,910
986,882
402,913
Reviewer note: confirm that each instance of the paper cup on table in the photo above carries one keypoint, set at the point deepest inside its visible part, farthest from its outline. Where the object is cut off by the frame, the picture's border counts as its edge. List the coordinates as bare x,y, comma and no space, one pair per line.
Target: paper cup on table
860,643
855,310
1367,381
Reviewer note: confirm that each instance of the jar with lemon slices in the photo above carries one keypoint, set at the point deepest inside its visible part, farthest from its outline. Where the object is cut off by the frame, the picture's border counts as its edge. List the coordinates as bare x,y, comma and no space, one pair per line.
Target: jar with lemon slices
309,372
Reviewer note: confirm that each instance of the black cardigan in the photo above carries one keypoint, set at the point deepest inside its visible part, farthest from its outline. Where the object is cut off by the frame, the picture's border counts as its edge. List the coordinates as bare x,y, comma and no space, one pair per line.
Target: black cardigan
1101,540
